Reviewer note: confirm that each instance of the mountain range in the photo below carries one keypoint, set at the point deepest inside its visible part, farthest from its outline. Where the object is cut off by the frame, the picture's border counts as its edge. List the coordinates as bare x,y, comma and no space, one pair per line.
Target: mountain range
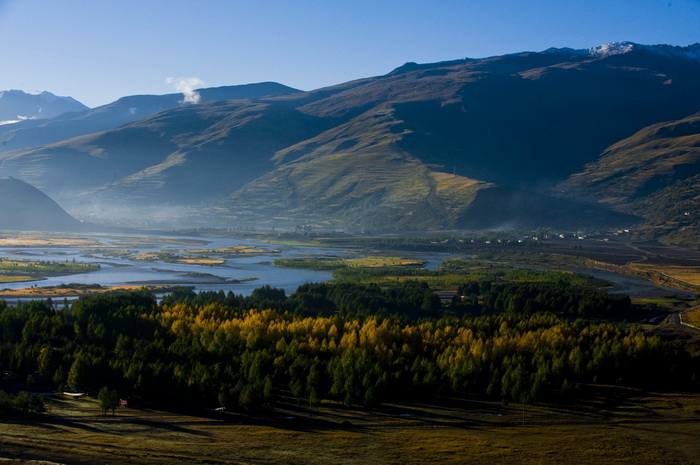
83,120
16,106
522,140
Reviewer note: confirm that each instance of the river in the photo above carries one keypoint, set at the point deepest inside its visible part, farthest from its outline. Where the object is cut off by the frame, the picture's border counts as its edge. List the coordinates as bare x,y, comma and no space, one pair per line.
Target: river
240,273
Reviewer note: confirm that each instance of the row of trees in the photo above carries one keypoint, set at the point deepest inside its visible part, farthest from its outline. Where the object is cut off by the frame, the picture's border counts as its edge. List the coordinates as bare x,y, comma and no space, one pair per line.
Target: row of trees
209,350
21,405
412,299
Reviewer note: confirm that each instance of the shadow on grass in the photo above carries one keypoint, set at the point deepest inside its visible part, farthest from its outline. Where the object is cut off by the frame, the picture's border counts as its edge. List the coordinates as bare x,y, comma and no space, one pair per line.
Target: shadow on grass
54,422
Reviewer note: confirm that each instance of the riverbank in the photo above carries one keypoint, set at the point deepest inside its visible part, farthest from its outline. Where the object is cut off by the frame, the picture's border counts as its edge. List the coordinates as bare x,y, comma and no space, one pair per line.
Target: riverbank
62,291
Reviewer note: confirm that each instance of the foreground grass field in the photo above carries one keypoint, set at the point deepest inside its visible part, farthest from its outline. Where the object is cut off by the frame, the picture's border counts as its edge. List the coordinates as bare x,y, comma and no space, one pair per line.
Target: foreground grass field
606,425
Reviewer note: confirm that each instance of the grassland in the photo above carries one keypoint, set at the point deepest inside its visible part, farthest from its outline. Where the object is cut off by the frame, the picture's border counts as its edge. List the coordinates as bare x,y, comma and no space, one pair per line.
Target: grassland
19,270
15,279
233,250
607,425
73,290
40,266
687,274
692,317
170,257
47,239
117,253
326,263
201,256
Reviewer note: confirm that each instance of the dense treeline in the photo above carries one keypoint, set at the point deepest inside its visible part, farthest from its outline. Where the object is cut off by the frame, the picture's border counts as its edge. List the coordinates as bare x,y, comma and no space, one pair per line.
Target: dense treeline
21,405
497,291
560,296
408,299
406,292
212,349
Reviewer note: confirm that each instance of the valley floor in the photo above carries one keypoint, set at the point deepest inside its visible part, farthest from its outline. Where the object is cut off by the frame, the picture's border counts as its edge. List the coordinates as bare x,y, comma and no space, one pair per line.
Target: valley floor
605,425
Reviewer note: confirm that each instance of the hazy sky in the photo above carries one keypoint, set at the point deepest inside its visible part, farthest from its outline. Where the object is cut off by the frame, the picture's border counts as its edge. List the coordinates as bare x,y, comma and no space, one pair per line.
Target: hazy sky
99,50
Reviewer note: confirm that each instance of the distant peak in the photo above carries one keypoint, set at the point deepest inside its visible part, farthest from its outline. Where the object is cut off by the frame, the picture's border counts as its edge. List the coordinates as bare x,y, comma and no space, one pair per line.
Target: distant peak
690,52
613,48
11,93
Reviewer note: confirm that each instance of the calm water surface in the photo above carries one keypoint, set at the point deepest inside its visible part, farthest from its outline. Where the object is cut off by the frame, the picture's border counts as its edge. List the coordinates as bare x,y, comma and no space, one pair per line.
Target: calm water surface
240,274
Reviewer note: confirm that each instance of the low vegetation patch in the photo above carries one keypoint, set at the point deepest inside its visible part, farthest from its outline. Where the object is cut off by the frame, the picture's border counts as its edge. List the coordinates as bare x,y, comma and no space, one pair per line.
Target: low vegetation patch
688,274
74,290
15,279
117,253
233,250
334,263
171,257
41,266
692,317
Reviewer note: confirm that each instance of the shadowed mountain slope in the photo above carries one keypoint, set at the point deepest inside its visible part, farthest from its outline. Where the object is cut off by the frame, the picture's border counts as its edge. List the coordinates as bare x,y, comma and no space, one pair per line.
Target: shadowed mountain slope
23,207
523,122
655,173
418,148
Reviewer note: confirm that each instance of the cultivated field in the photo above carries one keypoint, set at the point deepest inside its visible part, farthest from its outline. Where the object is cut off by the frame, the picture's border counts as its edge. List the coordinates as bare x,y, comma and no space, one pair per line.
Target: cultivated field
687,274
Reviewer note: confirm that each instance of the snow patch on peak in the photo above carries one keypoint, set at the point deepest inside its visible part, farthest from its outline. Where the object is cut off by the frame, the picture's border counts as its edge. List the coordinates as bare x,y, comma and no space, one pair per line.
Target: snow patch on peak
613,48
690,52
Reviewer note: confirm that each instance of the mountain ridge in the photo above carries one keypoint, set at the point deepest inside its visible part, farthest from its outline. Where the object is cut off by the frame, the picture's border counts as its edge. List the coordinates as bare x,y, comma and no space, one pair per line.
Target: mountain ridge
421,147
17,106
122,111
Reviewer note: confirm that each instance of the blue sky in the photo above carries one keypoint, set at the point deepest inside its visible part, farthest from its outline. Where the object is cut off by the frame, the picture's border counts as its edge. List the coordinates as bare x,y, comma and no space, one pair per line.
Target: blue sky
99,50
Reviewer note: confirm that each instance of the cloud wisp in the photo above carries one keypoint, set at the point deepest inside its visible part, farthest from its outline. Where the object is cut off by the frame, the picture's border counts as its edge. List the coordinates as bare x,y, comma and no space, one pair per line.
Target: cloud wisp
186,85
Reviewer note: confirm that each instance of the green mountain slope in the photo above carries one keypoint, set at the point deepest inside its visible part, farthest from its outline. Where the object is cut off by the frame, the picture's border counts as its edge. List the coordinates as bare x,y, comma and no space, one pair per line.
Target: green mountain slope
381,189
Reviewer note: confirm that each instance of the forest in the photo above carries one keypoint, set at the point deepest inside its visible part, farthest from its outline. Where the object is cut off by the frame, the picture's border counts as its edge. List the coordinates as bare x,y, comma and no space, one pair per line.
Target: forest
516,336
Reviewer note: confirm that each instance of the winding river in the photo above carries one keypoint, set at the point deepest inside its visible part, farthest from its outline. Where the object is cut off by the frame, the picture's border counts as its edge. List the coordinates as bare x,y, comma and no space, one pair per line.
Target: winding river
240,273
